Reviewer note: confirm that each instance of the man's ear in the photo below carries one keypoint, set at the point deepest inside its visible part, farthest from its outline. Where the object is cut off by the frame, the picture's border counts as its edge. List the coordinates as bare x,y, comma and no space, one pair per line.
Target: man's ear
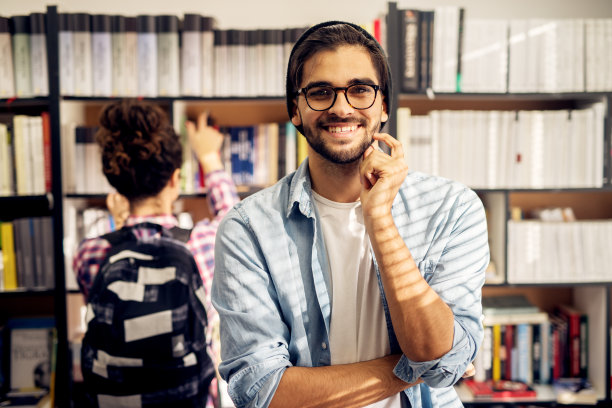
384,116
296,118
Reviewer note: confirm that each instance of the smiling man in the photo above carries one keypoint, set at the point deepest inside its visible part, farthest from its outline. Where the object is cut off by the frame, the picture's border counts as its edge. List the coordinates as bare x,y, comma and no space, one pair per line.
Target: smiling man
352,281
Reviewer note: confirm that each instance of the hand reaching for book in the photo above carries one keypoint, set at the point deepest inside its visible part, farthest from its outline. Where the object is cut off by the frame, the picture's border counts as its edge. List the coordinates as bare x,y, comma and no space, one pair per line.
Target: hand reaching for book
206,143
119,207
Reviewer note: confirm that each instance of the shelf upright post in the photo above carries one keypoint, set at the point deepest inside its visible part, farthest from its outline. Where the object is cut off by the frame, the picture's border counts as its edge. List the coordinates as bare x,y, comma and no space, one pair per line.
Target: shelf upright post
62,370
393,54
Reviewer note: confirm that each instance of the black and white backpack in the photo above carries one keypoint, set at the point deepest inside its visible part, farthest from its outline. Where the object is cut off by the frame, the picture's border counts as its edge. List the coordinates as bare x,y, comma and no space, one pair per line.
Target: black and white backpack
145,343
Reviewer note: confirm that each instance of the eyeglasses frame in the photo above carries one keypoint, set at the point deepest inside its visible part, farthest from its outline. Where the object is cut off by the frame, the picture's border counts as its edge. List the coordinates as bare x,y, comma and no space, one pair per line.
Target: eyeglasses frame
336,89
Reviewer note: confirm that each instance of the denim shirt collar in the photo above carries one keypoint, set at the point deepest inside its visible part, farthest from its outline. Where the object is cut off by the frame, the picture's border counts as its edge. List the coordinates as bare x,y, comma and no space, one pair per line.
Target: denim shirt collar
300,191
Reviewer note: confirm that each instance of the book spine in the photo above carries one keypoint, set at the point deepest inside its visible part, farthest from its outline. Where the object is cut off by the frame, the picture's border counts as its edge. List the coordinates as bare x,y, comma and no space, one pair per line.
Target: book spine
410,56
119,56
191,55
7,79
147,56
208,56
8,254
131,56
168,55
83,70
20,30
66,53
38,50
102,64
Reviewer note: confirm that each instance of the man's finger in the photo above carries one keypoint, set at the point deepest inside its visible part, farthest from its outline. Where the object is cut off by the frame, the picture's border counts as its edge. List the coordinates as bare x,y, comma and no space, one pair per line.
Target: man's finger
394,145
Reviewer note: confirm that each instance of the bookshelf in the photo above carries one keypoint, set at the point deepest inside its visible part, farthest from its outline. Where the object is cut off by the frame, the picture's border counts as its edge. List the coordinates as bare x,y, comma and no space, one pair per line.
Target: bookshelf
592,297
591,205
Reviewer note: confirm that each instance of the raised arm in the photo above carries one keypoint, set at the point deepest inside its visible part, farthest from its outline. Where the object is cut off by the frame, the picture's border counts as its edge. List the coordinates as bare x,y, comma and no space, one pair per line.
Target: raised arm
436,321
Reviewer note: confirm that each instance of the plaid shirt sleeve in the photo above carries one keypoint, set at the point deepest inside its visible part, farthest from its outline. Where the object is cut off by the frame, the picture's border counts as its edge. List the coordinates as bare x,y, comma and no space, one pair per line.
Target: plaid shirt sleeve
87,261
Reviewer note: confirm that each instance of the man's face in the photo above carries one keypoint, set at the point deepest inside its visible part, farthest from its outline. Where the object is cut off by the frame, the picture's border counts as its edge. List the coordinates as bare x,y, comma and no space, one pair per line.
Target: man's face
342,133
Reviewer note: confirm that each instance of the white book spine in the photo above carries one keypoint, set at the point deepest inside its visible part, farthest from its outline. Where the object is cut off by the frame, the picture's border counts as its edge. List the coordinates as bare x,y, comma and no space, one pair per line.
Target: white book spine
208,63
131,63
191,63
102,54
66,57
147,57
7,79
168,56
38,49
22,65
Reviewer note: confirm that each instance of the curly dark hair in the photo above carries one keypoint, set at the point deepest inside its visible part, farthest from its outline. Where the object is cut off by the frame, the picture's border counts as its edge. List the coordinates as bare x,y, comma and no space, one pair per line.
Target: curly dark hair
140,149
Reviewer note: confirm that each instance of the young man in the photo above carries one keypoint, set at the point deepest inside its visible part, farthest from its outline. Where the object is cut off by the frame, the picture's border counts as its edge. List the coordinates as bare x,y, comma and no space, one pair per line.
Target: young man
142,157
351,281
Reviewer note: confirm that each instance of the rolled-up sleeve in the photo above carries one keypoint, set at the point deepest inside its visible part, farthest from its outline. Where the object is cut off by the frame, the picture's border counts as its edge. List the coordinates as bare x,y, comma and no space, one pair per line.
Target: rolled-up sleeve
254,337
457,276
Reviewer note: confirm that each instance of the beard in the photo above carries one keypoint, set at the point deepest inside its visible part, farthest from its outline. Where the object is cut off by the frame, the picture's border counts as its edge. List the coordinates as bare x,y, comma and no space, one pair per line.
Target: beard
334,153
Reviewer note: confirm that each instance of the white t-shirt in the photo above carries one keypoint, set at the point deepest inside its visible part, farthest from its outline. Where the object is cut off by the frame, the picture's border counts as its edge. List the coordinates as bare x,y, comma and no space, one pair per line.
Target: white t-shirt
358,329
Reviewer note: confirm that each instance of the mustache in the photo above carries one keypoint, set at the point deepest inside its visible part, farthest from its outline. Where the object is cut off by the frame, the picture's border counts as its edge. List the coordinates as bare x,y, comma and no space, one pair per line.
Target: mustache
336,120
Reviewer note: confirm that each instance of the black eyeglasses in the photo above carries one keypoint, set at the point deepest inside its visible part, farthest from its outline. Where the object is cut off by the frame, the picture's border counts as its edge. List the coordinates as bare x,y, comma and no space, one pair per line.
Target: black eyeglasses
322,97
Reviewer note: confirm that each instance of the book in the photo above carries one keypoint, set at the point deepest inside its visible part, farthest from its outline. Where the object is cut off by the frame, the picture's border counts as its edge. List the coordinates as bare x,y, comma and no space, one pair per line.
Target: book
511,304
30,343
147,56
38,55
8,255
66,53
168,81
410,50
102,54
7,79
191,55
22,63
577,332
502,389
83,70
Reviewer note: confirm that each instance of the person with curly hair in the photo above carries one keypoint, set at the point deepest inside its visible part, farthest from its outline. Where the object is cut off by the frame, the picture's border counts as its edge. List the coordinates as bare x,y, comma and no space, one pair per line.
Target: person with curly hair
141,158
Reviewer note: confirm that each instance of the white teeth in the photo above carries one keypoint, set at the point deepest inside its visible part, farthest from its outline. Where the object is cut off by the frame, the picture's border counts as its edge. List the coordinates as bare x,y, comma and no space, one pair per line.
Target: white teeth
338,129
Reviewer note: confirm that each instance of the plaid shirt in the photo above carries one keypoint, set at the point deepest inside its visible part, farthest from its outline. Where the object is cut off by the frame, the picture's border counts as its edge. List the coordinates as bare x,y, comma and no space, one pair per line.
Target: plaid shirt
222,194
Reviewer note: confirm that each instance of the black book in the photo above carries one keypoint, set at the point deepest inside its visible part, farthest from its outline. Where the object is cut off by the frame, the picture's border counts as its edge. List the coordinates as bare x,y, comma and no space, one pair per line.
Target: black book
410,49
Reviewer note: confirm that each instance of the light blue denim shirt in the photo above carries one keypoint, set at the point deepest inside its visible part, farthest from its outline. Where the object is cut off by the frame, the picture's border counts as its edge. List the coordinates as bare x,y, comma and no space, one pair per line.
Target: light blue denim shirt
271,286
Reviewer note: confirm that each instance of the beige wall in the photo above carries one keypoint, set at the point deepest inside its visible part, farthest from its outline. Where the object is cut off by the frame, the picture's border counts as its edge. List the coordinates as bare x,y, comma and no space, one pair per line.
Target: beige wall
290,13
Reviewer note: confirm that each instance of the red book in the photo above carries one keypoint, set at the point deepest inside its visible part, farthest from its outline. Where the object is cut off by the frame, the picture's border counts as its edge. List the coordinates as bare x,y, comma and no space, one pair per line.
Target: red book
502,389
509,342
46,128
573,318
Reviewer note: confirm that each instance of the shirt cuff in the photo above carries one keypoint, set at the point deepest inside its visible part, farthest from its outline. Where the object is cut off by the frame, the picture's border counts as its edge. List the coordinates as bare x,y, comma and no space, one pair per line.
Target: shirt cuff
441,372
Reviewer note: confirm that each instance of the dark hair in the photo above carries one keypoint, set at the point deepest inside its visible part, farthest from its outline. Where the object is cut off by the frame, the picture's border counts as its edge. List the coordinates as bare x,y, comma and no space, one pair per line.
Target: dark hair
328,36
140,149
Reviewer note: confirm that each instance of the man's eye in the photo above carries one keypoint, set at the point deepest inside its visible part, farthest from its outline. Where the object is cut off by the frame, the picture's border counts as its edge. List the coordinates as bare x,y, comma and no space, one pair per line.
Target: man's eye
320,92
360,89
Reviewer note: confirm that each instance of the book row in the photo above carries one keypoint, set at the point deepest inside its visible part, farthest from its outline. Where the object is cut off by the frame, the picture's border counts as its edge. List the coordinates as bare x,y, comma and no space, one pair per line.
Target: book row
534,348
23,66
146,55
508,149
445,50
27,253
555,252
25,154
256,155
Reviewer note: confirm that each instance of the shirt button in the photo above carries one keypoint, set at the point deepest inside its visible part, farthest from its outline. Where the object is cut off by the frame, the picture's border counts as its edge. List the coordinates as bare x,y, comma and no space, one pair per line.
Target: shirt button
324,345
